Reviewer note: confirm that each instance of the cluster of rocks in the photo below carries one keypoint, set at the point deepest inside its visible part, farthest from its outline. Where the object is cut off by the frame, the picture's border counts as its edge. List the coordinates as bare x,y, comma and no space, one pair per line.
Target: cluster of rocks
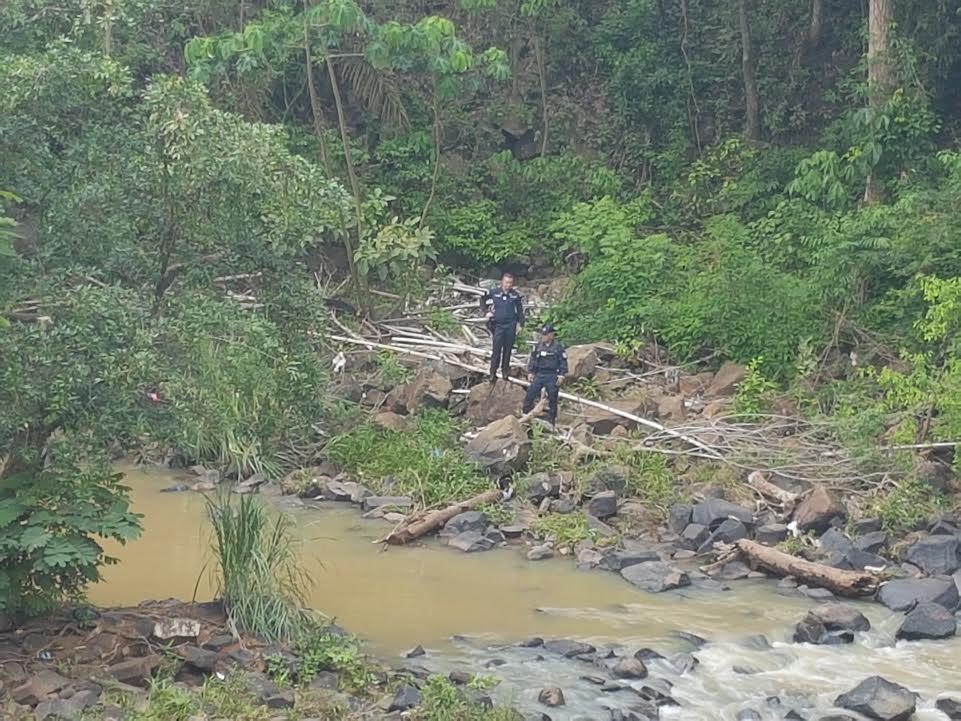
62,668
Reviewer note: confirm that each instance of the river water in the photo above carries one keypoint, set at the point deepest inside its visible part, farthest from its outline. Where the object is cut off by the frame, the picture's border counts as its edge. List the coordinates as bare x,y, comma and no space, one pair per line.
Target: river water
468,610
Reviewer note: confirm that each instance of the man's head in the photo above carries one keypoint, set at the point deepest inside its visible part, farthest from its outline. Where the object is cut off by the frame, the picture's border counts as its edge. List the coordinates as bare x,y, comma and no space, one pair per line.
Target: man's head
507,281
547,333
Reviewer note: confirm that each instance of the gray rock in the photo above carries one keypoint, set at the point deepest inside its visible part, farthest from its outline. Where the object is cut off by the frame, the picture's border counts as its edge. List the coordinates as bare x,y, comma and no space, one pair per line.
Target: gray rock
817,510
69,709
928,621
655,577
679,517
551,696
603,505
816,594
950,707
428,389
416,652
748,714
834,541
879,699
872,542
176,488
340,491
713,511
729,531
500,447
694,536
540,553
359,494
487,403
568,648
771,534
199,658
616,560
470,542
588,558
831,624
630,668
563,506
372,502
466,521
541,486
858,560
903,593
867,525
407,697
936,555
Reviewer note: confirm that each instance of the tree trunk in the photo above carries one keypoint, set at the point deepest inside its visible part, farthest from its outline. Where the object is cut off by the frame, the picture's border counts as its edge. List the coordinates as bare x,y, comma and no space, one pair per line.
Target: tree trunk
880,72
416,528
354,186
817,22
752,126
836,580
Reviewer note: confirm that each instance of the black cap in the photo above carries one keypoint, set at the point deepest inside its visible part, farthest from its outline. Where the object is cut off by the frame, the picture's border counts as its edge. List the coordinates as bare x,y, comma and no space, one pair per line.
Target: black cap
548,328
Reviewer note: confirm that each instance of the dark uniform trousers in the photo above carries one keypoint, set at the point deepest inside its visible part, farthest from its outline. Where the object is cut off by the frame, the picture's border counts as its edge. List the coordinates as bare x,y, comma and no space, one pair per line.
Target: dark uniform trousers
543,381
504,337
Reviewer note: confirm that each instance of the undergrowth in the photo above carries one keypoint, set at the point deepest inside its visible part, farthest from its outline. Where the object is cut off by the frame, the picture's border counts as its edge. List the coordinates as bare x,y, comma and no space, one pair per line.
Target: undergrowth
444,702
257,571
907,506
425,462
564,529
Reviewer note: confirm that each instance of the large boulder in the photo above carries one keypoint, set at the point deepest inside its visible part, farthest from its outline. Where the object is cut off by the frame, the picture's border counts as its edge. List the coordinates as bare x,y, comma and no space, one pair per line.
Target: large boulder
500,447
726,379
816,511
486,402
831,624
950,707
879,699
655,576
928,621
935,555
903,593
679,515
694,385
671,408
712,512
603,505
582,360
729,531
429,389
568,648
471,542
602,422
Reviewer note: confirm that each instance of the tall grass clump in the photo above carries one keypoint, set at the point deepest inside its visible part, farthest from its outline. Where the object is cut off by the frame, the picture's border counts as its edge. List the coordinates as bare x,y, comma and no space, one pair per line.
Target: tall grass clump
258,576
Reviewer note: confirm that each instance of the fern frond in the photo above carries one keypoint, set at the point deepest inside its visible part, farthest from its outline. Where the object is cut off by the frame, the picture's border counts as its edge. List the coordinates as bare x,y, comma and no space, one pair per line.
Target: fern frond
376,89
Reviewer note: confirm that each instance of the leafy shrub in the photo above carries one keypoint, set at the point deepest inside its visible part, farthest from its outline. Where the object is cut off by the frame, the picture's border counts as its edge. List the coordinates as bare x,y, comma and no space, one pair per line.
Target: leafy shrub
49,522
754,393
564,529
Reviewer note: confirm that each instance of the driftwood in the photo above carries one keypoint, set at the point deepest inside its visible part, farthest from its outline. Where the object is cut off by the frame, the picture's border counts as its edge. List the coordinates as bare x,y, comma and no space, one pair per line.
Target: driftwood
836,580
759,483
416,528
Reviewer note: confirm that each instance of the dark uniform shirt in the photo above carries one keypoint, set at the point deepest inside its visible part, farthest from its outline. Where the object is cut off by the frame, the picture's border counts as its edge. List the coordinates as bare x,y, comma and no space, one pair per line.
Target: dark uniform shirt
508,306
548,358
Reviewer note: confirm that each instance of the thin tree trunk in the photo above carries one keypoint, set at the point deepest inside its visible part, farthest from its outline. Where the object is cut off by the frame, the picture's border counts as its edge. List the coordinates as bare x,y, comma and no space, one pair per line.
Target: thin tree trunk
542,74
693,110
817,22
438,132
354,186
316,111
880,72
752,106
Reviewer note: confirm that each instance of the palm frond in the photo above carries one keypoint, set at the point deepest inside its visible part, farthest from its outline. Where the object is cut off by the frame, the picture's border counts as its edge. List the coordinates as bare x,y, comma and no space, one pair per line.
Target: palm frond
376,89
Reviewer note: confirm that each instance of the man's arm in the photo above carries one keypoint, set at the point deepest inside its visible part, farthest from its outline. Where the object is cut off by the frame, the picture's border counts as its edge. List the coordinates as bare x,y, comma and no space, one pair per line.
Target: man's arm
562,366
532,361
485,308
519,303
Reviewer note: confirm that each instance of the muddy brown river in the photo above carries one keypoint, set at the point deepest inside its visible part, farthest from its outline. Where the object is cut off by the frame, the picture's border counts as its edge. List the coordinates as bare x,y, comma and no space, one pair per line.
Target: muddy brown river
468,609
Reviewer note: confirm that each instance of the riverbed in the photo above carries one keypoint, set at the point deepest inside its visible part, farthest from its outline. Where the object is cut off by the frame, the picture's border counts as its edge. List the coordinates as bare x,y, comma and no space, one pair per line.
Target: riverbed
468,609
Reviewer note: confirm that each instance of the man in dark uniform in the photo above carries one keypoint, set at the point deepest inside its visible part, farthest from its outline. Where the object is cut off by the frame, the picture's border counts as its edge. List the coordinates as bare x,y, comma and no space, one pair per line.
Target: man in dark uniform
504,309
546,370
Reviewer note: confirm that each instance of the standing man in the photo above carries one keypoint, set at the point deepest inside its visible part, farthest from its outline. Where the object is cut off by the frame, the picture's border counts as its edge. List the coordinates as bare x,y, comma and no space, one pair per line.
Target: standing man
504,310
546,370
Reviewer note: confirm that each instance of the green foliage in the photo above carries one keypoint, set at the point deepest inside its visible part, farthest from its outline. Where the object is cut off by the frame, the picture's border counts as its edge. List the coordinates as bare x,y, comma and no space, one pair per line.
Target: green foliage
257,571
907,506
325,648
756,392
649,477
425,462
564,529
396,253
50,520
444,702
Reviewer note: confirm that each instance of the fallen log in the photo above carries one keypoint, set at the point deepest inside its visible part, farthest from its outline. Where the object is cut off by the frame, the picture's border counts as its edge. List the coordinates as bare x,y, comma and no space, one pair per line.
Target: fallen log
836,580
759,483
432,521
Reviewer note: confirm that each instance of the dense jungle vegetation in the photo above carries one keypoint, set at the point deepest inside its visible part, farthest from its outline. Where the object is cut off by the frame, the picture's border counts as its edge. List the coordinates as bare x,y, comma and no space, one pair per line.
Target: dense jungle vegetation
767,181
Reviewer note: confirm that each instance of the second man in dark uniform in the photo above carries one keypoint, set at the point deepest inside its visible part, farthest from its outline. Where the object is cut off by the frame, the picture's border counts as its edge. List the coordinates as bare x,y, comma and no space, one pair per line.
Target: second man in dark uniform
546,370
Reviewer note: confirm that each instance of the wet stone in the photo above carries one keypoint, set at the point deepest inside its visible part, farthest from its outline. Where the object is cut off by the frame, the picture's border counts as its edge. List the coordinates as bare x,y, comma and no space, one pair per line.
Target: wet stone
540,553
936,555
471,542
466,521
950,707
873,542
927,621
771,534
568,648
679,517
655,577
551,696
904,593
748,714
407,697
616,560
459,677
630,668
416,652
878,698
